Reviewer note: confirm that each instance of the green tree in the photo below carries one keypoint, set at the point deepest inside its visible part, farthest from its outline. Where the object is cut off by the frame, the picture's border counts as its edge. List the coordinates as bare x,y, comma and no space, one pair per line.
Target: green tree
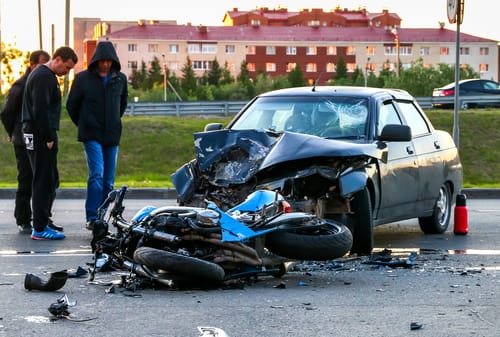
10,57
226,75
155,73
296,77
340,69
188,81
215,73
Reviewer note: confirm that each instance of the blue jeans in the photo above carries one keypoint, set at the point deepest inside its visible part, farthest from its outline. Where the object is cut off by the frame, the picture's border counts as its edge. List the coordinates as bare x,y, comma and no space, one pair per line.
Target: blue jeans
101,163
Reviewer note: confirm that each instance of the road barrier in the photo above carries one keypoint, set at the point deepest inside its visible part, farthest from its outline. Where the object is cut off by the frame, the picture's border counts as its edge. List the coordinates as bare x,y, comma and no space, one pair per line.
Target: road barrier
229,108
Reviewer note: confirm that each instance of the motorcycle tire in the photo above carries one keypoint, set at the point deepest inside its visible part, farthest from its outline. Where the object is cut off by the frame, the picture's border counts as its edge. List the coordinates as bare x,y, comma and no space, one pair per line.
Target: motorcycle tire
332,241
184,267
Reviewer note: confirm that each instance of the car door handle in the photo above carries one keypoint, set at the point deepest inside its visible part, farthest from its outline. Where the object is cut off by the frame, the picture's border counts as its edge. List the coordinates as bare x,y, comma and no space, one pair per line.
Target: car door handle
437,145
409,149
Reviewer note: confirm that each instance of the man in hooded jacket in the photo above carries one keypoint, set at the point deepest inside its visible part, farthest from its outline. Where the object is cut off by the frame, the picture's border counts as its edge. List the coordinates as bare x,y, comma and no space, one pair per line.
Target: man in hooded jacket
96,103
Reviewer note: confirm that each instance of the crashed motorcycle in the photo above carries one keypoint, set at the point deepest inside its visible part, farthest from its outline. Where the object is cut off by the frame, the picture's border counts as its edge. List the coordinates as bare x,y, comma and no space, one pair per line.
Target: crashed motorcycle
179,245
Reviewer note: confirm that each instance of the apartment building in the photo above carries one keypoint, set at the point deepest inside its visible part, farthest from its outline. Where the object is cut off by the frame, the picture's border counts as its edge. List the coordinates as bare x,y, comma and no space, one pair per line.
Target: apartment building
276,41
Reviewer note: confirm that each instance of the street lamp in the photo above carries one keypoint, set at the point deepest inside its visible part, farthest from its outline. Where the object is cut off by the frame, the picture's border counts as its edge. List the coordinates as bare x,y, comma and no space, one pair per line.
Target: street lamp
394,32
367,65
164,78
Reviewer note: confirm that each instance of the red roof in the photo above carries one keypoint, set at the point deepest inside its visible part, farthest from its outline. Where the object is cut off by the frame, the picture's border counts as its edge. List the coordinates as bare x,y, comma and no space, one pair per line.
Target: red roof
288,34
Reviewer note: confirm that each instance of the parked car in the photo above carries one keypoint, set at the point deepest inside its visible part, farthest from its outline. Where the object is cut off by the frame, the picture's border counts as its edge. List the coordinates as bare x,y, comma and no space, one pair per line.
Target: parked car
470,87
360,156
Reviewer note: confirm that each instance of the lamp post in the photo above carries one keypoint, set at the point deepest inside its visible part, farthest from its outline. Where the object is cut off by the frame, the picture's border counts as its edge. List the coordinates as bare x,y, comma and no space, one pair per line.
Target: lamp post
394,32
164,78
367,65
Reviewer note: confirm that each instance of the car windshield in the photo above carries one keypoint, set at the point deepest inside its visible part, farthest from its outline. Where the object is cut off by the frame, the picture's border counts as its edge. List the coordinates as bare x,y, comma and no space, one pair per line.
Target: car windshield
329,117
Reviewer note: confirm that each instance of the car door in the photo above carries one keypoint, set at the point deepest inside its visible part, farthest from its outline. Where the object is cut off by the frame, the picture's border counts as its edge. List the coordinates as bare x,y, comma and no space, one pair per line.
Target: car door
399,174
429,155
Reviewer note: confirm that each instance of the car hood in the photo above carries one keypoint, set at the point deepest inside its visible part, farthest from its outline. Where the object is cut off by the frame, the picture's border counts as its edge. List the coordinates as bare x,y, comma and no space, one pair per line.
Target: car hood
269,148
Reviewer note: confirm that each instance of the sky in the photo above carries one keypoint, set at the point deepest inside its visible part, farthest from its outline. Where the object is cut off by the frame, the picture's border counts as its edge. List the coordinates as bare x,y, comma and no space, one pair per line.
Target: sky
19,18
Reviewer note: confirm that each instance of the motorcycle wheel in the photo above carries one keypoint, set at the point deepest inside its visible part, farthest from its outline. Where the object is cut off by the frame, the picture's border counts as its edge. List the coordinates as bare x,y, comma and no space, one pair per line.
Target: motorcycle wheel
180,266
330,241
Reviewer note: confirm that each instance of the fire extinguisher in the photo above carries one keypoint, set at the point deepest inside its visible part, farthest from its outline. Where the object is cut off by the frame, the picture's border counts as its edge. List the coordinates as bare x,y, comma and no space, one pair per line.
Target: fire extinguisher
461,226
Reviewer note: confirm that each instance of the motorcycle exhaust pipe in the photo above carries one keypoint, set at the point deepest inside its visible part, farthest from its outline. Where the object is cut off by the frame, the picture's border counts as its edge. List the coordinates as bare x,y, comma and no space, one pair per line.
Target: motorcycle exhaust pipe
55,282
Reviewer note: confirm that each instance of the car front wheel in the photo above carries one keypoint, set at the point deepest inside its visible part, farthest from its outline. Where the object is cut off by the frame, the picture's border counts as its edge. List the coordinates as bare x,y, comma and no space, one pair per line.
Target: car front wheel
438,222
360,222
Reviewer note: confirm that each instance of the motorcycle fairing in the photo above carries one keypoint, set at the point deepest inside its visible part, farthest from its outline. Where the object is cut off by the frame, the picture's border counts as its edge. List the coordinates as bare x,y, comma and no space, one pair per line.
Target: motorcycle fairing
235,231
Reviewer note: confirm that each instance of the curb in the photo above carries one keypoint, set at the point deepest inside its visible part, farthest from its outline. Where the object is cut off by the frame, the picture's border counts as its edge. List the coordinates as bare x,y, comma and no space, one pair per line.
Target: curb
170,193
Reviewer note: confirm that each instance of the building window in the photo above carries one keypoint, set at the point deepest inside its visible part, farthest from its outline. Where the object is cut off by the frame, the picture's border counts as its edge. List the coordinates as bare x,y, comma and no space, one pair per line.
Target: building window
484,51
425,51
330,67
270,50
351,50
173,48
202,48
132,48
311,51
202,65
230,49
331,50
311,68
313,23
290,66
444,51
464,51
251,67
153,48
255,22
230,66
270,67
406,50
291,50
483,68
370,50
250,50
370,67
173,65
132,65
351,67
390,50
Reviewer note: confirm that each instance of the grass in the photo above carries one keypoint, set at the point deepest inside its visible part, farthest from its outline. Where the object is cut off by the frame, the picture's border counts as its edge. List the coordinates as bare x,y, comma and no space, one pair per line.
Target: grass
152,148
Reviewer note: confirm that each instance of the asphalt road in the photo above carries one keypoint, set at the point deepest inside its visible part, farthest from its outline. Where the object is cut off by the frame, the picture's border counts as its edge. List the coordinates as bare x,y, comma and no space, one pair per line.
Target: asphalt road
452,289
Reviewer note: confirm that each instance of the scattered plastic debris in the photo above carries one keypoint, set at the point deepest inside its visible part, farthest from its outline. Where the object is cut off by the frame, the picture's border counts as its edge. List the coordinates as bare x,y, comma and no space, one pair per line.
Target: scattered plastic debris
55,282
60,310
415,326
211,332
79,272
385,258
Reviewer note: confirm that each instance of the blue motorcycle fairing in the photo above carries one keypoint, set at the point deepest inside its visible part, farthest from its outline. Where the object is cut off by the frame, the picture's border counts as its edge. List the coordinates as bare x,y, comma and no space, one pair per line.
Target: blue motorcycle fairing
142,213
256,201
235,231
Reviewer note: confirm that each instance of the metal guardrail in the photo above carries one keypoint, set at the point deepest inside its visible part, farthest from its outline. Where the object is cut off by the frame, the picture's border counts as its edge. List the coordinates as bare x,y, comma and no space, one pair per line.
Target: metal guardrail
224,108
229,108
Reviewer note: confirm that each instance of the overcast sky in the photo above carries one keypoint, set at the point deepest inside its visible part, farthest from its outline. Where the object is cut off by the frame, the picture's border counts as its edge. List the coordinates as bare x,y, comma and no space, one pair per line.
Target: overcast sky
19,18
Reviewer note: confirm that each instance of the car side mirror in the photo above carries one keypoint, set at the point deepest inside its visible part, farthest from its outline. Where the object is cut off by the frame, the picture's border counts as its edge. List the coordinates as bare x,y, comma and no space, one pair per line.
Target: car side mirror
213,126
396,133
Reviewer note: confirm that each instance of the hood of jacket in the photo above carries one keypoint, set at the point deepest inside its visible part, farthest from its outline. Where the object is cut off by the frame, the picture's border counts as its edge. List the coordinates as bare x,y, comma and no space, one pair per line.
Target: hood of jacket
104,51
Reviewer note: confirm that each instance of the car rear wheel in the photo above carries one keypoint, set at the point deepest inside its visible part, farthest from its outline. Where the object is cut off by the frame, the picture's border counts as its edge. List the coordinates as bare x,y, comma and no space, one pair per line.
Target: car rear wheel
438,222
360,222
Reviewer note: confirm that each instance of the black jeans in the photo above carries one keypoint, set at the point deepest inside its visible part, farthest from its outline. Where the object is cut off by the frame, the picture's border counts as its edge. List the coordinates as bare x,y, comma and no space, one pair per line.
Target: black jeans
22,209
45,180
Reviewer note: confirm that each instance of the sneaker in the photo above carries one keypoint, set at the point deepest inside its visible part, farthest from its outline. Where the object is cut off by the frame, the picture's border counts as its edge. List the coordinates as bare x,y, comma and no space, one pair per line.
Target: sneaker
55,227
47,234
25,228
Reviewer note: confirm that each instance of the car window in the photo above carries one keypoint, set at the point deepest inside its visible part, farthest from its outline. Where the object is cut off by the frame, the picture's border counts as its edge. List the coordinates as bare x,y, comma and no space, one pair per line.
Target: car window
387,115
491,85
331,117
413,118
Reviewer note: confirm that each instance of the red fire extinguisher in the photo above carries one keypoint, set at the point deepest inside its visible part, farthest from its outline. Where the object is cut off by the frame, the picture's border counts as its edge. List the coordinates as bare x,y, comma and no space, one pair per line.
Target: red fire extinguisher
461,216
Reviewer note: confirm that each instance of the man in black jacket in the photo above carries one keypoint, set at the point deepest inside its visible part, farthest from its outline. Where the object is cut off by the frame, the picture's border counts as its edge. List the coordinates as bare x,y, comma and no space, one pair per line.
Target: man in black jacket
41,114
11,119
96,103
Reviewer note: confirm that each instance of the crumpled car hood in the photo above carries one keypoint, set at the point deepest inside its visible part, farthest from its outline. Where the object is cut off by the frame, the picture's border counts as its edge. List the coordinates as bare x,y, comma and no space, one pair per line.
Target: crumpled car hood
269,149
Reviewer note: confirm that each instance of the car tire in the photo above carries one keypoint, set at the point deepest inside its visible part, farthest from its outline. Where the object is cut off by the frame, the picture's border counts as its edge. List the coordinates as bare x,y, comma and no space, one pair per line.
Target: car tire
438,222
360,222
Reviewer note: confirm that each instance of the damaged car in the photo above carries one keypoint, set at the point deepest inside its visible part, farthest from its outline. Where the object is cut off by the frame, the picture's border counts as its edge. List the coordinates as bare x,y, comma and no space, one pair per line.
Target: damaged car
360,156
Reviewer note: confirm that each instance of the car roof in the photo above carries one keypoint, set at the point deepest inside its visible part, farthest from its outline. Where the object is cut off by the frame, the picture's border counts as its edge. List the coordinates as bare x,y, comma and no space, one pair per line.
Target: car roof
338,91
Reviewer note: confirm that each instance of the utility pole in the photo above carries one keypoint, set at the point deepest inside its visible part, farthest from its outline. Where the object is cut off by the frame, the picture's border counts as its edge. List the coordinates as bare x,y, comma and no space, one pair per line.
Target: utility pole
40,38
66,43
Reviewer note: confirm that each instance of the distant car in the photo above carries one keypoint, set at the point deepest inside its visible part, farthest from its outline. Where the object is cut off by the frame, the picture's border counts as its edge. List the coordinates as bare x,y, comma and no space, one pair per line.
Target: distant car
360,156
470,87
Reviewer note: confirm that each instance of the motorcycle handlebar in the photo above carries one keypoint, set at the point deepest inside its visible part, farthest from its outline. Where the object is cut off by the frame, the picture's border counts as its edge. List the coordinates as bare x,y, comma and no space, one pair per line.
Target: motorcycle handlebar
145,232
